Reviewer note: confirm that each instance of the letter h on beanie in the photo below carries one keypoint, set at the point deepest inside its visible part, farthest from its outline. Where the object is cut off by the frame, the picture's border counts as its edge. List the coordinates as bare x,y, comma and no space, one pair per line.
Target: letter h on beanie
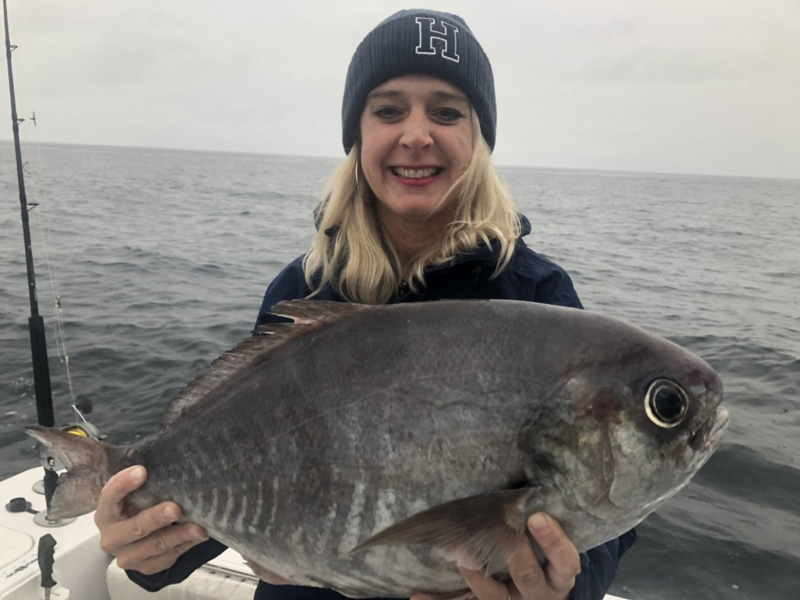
426,42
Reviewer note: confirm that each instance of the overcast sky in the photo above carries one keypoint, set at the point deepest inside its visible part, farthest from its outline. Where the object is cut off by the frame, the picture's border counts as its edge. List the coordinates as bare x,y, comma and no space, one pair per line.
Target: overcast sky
681,86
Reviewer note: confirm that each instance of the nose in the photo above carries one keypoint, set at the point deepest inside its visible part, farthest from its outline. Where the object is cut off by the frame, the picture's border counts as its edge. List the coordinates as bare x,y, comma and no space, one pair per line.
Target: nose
416,131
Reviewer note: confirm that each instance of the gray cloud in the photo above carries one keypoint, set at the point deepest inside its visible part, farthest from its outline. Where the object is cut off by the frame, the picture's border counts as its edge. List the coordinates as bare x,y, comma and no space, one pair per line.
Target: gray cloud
702,86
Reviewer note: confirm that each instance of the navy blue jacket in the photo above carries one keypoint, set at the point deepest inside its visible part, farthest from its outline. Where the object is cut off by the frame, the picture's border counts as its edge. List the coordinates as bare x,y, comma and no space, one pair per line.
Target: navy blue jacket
529,277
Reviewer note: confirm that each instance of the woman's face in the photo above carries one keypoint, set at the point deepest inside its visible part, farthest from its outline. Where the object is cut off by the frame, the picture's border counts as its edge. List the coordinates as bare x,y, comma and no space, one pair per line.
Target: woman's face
416,141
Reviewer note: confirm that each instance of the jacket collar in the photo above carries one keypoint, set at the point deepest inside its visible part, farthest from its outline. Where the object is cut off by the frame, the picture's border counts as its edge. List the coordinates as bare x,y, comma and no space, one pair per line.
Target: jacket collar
482,253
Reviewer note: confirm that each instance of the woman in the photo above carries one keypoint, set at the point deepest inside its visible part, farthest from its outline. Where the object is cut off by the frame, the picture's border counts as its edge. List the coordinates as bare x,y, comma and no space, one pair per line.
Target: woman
414,213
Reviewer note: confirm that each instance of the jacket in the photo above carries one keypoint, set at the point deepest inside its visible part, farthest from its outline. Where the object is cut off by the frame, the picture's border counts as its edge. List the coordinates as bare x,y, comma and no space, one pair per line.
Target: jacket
528,277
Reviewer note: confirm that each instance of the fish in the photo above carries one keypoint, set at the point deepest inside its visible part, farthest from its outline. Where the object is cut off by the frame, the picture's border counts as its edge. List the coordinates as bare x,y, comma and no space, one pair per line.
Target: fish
372,449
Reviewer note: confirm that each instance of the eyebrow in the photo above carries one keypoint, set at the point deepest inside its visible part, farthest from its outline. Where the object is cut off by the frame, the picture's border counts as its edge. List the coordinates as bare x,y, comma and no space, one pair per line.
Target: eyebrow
439,95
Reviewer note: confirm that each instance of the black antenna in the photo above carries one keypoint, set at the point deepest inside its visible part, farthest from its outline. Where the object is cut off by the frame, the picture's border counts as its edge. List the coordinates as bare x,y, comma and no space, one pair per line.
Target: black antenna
41,370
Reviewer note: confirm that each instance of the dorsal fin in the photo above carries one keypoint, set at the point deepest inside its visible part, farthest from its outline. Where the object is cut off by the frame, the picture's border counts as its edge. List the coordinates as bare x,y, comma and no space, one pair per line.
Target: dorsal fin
314,312
307,315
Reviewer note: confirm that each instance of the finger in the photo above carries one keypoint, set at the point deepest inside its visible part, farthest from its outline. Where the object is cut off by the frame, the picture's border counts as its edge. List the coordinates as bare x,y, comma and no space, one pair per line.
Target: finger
162,561
527,574
564,563
111,504
164,545
115,536
484,587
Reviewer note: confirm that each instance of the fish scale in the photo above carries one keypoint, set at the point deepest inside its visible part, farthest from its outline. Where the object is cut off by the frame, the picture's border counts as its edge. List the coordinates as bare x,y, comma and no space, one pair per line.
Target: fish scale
368,448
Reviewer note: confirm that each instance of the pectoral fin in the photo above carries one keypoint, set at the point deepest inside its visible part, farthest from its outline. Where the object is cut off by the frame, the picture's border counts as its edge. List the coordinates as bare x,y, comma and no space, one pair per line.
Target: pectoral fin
473,532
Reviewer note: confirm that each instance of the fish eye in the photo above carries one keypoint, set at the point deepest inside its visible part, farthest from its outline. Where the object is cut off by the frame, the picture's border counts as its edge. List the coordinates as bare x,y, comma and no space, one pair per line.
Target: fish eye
666,403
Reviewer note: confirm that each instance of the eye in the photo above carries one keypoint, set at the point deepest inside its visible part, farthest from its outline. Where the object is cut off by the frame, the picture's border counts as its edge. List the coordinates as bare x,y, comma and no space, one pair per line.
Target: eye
666,403
386,112
448,115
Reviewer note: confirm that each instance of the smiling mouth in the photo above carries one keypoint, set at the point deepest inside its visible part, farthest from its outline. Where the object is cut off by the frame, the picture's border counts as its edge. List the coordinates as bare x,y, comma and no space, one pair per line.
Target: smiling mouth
416,173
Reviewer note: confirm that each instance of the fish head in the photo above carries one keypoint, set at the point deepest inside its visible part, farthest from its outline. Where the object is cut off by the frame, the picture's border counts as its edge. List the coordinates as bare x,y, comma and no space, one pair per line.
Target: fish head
638,416
671,428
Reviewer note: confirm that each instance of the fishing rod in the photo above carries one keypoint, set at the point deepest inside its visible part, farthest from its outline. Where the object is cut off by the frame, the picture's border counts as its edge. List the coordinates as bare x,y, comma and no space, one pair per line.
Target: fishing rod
41,370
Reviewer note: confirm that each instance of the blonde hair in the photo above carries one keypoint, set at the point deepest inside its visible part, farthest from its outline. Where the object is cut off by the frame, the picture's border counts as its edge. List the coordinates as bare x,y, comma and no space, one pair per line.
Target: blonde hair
351,253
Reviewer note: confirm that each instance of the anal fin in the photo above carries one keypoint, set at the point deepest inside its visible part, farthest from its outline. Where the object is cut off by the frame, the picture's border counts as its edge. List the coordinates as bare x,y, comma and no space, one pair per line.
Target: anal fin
265,574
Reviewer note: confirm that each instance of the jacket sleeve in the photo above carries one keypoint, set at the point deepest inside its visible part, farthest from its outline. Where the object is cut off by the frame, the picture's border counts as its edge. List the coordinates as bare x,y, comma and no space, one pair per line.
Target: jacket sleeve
187,563
533,277
556,288
599,567
290,284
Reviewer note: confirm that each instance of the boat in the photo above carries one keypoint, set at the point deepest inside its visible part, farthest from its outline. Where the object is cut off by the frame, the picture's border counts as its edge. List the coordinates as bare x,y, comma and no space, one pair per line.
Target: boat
63,560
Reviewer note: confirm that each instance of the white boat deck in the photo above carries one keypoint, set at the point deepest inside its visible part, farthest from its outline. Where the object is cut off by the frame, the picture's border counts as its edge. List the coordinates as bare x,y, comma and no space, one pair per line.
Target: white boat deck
82,570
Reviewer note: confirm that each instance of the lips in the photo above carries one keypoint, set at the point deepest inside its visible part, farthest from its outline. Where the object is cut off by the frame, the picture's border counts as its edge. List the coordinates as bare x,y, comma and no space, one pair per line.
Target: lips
416,173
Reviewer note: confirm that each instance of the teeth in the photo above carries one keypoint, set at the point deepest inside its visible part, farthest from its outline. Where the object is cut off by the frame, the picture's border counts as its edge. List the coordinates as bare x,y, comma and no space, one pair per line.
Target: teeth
415,173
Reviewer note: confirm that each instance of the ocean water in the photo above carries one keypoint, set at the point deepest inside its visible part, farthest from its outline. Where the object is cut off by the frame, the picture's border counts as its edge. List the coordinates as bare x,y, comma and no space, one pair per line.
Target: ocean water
160,259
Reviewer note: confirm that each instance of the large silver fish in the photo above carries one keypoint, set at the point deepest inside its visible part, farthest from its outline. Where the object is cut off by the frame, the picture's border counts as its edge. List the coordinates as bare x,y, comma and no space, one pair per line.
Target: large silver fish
365,448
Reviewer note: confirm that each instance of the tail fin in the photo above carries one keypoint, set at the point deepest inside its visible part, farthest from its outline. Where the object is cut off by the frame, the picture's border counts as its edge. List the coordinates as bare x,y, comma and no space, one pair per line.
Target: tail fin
87,463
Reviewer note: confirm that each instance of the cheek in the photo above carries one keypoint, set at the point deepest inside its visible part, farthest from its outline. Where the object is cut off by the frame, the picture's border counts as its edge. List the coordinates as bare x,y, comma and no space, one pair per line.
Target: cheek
369,169
366,157
373,148
466,158
462,151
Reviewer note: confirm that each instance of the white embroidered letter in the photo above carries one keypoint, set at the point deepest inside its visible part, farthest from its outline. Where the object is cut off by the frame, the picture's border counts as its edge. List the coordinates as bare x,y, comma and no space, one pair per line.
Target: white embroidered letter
447,38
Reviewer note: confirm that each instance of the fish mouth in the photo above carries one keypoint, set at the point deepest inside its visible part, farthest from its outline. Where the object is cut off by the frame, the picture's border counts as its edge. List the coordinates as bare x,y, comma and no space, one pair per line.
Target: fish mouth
711,432
720,424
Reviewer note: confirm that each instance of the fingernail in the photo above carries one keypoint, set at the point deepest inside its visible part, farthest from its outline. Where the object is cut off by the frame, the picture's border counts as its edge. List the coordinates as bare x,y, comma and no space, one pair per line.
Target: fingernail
137,474
170,512
200,535
538,522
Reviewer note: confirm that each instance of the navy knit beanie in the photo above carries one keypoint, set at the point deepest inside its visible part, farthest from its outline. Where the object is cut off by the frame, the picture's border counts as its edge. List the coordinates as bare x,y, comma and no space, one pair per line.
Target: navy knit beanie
419,41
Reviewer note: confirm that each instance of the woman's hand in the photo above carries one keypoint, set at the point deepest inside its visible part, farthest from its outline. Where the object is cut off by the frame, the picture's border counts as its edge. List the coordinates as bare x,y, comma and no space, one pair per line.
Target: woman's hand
146,541
529,581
